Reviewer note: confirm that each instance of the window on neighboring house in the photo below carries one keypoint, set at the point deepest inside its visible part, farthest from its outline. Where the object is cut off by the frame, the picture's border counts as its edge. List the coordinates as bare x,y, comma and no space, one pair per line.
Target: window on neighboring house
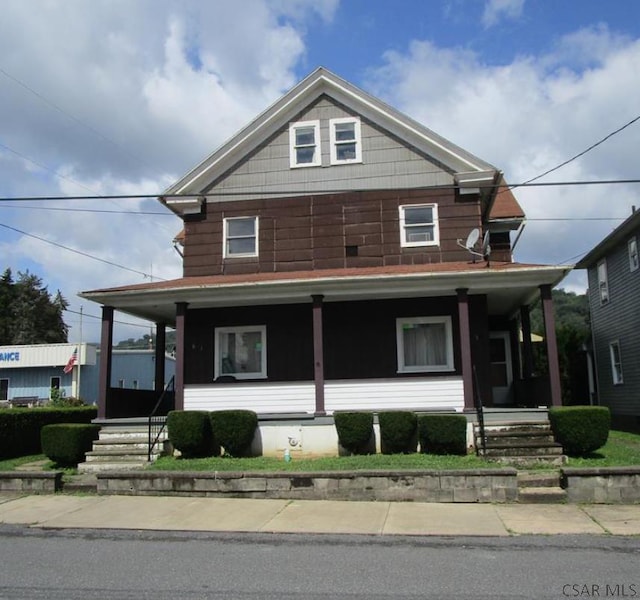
55,385
304,144
4,390
121,383
616,362
633,254
240,237
419,225
424,344
603,283
241,352
135,384
346,146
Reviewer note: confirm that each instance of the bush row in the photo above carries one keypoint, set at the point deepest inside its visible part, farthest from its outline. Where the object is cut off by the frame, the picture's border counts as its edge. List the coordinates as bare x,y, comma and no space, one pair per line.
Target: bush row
20,427
401,431
67,443
199,433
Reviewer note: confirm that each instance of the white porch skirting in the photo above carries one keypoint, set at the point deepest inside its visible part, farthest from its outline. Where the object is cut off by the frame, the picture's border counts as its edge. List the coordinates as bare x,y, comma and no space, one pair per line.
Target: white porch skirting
428,393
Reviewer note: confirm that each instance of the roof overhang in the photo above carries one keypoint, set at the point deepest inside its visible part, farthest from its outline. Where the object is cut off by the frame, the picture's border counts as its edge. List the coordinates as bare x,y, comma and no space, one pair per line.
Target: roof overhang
507,287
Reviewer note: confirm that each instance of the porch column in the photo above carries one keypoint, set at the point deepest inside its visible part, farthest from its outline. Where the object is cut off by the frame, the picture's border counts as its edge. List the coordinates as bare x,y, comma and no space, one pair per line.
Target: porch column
161,339
181,313
465,347
318,354
106,347
552,346
527,348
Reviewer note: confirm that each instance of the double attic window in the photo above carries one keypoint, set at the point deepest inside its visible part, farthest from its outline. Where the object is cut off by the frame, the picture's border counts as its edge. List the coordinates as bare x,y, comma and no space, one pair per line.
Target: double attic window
306,143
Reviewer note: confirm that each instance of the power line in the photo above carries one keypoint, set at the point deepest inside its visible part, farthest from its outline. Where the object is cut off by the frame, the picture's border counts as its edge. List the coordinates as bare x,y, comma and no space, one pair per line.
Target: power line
85,254
84,314
91,210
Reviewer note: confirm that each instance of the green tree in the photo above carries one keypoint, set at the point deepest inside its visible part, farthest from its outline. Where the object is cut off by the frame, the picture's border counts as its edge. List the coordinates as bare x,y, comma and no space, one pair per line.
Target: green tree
30,315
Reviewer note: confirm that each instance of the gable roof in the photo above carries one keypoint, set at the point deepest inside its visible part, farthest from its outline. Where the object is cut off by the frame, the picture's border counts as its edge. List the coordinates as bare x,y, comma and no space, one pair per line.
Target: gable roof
470,170
618,235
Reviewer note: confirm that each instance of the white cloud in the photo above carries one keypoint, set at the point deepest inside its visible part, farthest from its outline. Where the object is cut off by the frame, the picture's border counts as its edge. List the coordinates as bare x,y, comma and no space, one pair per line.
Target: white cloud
528,116
496,10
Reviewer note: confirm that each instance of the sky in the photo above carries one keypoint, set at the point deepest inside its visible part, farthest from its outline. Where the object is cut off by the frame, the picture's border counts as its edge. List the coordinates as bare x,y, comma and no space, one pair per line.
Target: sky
123,97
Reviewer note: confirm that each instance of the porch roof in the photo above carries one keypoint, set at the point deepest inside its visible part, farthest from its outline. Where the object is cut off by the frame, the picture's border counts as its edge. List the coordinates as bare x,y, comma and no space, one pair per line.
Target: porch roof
507,286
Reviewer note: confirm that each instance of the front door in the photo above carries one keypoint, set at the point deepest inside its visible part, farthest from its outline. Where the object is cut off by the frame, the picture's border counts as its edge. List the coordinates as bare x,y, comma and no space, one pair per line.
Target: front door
501,372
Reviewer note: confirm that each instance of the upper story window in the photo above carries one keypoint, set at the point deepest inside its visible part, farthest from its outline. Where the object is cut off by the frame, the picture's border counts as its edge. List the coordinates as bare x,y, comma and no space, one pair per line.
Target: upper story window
346,146
616,362
419,225
304,144
424,344
603,282
241,352
633,254
240,237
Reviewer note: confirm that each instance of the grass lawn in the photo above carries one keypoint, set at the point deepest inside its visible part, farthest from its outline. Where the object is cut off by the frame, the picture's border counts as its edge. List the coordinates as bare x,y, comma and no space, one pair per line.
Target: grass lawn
622,449
13,464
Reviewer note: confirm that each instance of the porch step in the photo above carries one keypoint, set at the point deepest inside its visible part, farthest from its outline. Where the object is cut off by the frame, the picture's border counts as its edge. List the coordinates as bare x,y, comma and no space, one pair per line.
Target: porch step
540,488
520,443
121,447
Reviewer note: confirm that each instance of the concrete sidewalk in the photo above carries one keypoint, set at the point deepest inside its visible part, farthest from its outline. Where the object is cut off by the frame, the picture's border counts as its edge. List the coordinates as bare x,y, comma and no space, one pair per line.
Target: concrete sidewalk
161,513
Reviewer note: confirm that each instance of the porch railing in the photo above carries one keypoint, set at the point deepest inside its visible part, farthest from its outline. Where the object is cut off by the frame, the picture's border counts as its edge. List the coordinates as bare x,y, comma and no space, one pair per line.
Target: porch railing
157,421
480,415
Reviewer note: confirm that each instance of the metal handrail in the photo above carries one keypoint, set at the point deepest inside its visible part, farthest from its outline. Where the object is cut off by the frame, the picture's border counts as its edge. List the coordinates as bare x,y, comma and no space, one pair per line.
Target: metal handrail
157,422
480,415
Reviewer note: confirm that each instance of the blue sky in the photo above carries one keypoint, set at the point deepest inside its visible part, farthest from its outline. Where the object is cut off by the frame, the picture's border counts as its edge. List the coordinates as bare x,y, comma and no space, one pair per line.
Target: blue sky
108,97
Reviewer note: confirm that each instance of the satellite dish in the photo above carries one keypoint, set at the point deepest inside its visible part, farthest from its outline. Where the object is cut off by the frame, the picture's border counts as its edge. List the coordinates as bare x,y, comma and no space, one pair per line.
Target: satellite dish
472,239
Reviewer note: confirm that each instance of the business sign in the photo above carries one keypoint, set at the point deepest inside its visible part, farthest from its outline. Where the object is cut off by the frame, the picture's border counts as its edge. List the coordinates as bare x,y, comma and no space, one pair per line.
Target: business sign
11,356
46,355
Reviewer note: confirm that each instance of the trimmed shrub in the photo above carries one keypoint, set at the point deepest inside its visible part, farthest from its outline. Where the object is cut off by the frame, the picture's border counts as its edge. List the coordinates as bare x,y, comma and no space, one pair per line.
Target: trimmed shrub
442,434
67,443
190,432
234,430
20,427
355,430
580,429
398,431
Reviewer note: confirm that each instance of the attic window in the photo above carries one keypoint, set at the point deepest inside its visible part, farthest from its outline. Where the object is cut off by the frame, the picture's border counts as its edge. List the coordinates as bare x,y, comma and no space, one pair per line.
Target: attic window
346,146
240,237
304,144
419,225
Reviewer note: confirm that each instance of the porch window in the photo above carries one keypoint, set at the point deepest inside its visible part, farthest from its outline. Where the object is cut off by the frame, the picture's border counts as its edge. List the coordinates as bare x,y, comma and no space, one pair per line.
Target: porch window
424,344
419,225
616,362
603,283
304,144
241,352
633,254
240,237
346,146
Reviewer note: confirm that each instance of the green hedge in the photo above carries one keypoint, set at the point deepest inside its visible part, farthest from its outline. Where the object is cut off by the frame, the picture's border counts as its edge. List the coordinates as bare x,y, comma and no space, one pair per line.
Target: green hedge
398,431
355,431
20,427
234,430
190,432
442,434
580,429
67,443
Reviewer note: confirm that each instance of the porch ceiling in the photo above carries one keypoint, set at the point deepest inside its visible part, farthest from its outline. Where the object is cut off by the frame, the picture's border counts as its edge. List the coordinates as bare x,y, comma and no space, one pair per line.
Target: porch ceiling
506,285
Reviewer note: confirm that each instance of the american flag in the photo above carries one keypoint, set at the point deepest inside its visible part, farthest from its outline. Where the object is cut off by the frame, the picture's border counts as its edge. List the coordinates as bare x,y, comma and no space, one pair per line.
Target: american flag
72,361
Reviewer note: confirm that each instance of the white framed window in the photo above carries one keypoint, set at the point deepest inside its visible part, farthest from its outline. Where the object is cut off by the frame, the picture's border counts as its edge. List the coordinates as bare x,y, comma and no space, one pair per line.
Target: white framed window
241,352
603,282
424,344
616,362
419,225
304,144
632,245
240,237
346,145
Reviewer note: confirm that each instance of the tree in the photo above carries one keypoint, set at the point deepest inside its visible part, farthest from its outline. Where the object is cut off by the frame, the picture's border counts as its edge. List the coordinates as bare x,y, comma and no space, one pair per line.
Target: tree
30,315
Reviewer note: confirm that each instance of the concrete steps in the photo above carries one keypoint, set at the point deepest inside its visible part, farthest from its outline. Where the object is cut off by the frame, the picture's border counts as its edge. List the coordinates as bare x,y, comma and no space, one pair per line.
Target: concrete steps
121,447
520,443
541,487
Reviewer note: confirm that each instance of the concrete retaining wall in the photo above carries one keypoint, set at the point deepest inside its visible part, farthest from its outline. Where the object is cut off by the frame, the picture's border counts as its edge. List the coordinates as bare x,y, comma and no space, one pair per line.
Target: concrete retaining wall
483,485
614,485
33,482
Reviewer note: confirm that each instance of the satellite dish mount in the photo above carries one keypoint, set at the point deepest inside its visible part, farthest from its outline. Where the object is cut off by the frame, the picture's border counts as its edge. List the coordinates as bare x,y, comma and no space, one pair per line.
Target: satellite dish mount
471,243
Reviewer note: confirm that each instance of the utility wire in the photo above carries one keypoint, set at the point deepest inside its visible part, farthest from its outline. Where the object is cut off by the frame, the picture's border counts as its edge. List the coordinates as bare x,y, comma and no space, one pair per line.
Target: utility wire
84,314
85,254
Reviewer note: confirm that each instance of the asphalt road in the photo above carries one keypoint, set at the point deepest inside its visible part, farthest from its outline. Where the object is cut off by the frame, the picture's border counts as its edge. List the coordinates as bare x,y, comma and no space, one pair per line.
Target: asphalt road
100,564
